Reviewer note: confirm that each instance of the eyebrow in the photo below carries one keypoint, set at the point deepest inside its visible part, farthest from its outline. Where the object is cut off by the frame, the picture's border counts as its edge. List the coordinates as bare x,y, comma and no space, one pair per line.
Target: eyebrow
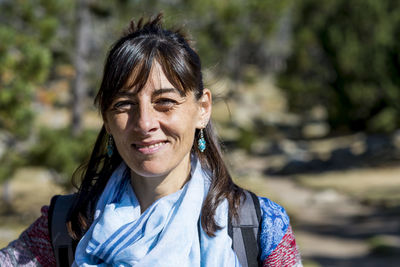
156,92
167,90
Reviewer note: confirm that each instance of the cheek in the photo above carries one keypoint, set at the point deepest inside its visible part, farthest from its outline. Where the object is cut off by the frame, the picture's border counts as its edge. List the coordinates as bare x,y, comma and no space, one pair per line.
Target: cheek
118,123
182,126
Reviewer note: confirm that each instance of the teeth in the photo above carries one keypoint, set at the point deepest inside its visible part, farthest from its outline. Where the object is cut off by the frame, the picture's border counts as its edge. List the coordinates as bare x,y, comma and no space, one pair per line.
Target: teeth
153,145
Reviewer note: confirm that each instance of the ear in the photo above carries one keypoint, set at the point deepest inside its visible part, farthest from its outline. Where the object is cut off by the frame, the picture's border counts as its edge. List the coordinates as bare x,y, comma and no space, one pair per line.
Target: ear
205,107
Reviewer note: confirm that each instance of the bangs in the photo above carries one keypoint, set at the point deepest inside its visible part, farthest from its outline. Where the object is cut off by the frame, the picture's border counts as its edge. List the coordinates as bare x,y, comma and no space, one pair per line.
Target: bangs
130,63
177,74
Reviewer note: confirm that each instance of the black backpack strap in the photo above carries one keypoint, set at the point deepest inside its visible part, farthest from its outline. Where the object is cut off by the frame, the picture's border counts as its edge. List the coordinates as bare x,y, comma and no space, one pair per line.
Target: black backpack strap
63,244
245,232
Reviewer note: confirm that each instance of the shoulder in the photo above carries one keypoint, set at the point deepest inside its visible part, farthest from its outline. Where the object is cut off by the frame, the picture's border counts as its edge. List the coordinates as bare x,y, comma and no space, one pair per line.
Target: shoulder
33,247
285,254
274,225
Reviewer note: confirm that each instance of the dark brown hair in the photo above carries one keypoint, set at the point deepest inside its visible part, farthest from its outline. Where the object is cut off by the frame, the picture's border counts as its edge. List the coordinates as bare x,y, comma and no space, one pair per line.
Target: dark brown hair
134,53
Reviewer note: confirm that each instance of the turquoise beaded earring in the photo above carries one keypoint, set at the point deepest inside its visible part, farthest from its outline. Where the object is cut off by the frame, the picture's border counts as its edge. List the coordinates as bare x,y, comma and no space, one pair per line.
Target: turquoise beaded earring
201,143
110,146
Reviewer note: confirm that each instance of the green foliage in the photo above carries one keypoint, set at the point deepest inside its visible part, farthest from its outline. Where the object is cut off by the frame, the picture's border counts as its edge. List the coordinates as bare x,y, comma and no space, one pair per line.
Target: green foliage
26,34
60,151
9,163
381,245
230,34
246,138
345,57
38,19
24,63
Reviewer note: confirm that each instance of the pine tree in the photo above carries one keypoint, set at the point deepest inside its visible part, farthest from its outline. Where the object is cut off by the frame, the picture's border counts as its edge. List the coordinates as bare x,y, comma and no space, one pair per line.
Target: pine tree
345,57
27,33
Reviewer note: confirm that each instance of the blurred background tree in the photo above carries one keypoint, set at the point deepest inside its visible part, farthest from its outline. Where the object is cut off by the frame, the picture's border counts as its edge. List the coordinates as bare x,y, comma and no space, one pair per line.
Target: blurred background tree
345,58
28,34
229,35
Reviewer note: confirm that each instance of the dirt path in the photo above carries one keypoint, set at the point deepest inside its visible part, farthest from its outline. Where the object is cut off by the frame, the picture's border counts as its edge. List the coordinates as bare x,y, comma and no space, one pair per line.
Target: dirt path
331,228
31,188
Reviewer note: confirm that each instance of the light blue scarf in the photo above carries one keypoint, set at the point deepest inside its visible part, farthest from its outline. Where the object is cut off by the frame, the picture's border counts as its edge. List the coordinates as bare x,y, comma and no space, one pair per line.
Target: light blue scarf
168,233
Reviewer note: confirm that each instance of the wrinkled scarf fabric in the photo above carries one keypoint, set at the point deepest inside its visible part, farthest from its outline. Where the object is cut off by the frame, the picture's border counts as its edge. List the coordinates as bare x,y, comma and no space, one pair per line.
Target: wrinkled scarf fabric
168,233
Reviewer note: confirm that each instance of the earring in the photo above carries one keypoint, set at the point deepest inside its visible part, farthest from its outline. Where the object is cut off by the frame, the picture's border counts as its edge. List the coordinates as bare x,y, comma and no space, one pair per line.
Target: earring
110,146
201,143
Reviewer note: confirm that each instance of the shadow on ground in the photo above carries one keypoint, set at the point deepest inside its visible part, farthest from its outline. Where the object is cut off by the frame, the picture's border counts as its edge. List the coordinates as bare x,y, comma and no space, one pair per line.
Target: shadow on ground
376,150
380,230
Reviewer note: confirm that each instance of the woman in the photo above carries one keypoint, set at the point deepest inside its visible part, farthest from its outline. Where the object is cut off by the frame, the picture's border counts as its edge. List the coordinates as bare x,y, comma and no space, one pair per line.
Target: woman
156,191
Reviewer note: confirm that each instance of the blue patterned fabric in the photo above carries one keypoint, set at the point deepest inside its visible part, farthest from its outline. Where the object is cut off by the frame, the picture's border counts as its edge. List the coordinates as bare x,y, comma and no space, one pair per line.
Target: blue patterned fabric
168,233
274,225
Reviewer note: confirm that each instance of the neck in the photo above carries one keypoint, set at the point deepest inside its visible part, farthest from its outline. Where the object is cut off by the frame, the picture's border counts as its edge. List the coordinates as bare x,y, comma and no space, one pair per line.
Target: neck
149,189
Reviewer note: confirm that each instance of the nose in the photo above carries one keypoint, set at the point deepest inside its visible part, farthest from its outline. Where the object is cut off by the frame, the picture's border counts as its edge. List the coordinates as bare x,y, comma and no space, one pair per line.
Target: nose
146,120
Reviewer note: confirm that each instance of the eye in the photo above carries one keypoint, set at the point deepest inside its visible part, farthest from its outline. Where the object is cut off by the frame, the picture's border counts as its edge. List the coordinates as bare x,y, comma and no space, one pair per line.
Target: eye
123,105
165,104
166,101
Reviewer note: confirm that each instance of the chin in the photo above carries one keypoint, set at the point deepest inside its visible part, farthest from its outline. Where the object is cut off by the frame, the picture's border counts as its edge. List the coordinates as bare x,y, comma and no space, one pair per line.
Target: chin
150,170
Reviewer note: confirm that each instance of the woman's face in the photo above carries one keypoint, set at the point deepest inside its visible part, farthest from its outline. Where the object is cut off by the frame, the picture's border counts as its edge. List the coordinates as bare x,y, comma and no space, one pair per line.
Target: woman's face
154,129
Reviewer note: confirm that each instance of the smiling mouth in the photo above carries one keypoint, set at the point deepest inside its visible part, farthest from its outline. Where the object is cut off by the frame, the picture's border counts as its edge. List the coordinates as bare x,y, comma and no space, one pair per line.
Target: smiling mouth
149,148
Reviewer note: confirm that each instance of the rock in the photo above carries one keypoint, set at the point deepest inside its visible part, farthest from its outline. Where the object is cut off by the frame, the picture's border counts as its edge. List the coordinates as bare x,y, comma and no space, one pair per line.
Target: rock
315,129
